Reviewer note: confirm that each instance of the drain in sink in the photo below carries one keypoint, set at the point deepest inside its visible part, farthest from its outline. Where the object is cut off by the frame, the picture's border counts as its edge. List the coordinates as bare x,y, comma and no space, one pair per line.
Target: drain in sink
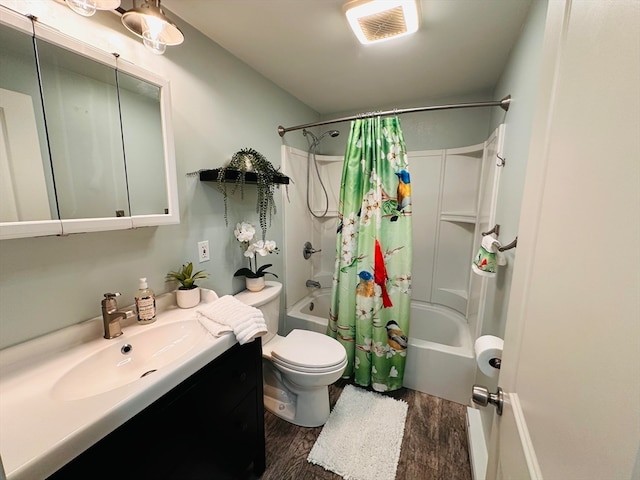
147,373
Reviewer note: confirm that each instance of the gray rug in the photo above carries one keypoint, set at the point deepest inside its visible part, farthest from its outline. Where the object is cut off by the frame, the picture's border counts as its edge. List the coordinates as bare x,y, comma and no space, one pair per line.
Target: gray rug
362,438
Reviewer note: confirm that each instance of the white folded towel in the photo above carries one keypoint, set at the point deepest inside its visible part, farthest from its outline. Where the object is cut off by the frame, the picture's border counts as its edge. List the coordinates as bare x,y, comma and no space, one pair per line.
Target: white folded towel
214,328
246,322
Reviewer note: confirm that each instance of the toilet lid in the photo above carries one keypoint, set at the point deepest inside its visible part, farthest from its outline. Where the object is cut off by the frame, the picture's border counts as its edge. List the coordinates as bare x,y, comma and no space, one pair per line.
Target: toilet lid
303,348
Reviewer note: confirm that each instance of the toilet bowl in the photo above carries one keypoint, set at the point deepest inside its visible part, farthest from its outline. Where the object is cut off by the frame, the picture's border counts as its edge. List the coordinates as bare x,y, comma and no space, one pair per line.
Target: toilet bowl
298,368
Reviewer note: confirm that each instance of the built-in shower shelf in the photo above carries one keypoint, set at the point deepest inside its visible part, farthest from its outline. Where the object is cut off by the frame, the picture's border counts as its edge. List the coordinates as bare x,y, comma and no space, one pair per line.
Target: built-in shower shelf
459,217
230,176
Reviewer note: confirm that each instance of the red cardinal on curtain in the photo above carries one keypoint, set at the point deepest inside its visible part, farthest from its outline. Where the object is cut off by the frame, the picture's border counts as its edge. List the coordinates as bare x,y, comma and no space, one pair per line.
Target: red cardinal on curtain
380,276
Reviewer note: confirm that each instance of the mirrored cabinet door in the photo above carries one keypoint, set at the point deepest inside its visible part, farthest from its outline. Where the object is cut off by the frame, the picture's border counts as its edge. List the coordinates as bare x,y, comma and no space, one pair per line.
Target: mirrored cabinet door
27,192
80,98
143,145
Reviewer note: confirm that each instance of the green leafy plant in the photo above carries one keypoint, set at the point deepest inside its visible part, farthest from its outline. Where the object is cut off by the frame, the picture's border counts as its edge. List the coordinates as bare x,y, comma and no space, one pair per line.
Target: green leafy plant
250,160
186,277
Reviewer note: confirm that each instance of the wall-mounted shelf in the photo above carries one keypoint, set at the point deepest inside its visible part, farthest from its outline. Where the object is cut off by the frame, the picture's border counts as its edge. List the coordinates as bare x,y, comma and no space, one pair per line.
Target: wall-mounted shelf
232,175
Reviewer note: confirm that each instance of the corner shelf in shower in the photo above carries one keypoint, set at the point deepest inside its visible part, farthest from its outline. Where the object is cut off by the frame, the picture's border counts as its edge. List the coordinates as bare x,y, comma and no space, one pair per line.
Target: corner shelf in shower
232,175
459,217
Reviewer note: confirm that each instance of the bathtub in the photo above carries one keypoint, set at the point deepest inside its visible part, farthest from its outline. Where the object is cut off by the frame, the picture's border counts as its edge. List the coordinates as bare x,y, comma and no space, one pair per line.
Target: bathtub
440,358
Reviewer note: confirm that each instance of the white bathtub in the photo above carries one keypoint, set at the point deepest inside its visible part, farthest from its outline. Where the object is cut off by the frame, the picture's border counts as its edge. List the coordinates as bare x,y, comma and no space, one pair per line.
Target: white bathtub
440,359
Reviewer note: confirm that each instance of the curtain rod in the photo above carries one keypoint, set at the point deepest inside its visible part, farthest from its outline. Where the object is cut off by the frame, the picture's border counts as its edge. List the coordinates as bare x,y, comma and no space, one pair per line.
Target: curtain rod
504,104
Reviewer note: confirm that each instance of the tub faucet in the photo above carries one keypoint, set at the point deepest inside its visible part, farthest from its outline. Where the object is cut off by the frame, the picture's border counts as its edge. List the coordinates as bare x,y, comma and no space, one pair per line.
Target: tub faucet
111,316
313,284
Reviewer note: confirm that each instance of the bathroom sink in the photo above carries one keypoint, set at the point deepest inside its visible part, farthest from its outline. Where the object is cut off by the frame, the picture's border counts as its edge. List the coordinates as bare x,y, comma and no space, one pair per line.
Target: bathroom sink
128,359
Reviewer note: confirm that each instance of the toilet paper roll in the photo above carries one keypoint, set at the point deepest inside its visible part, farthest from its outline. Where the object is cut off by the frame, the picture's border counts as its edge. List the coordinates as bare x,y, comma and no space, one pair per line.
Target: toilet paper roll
489,354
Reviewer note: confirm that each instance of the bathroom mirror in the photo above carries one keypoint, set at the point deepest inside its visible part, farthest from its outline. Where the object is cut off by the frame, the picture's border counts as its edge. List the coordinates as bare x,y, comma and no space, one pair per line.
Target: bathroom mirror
101,150
27,193
81,107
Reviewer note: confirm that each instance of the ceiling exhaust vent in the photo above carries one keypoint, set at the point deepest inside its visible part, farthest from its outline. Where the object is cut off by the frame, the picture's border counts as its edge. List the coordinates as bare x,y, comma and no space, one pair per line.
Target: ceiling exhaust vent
379,20
379,26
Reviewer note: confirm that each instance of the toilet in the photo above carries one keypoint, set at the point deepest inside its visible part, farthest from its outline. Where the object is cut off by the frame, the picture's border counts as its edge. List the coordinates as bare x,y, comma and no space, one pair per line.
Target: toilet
298,368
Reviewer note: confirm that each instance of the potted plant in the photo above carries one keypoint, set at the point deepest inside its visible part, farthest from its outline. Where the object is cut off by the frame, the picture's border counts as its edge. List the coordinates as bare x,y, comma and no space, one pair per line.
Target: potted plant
250,160
188,293
254,275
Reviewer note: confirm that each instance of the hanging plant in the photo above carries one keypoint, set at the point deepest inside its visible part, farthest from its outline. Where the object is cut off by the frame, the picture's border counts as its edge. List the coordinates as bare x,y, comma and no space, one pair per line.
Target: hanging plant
250,160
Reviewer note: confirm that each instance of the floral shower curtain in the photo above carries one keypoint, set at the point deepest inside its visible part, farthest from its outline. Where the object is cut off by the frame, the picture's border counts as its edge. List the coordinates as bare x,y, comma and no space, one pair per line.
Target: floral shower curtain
371,294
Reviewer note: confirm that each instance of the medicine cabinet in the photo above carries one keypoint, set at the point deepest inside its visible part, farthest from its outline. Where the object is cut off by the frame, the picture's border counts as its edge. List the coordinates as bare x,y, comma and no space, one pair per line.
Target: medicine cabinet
85,137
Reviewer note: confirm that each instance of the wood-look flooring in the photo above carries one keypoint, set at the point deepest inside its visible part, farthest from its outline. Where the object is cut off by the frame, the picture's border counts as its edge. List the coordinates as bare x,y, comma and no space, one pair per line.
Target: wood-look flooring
434,445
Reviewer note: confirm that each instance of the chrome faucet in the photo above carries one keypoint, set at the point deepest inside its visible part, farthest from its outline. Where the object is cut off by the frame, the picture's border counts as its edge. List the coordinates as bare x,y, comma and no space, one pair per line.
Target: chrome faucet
111,316
313,284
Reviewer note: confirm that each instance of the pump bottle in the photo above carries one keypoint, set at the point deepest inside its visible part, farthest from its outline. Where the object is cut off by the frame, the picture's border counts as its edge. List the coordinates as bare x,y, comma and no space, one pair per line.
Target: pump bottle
145,303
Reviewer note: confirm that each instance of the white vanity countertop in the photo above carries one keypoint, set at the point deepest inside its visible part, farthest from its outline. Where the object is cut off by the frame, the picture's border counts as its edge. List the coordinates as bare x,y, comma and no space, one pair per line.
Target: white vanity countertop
40,433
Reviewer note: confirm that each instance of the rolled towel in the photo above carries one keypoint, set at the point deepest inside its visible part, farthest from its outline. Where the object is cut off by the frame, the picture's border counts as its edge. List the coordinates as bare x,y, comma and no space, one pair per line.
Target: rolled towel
484,263
246,322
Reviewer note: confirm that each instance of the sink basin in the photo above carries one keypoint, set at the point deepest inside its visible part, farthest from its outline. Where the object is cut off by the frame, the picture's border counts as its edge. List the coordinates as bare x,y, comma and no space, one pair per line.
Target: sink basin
129,358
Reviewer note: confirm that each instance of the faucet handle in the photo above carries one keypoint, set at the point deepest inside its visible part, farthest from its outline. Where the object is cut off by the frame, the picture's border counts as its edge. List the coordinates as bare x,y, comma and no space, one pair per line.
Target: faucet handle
109,302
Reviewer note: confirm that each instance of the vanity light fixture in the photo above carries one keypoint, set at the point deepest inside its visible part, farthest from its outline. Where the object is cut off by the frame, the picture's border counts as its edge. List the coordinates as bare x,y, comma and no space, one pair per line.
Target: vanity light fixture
86,8
375,21
149,22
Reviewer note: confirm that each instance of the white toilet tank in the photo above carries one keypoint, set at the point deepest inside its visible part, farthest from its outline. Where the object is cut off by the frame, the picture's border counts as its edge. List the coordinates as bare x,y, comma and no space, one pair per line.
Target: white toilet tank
268,301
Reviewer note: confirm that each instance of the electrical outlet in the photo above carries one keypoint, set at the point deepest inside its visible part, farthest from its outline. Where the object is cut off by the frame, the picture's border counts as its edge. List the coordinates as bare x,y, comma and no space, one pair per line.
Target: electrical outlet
203,251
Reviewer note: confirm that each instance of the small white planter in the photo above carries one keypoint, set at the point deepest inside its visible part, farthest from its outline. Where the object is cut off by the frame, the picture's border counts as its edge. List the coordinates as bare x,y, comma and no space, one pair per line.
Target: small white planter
254,284
188,298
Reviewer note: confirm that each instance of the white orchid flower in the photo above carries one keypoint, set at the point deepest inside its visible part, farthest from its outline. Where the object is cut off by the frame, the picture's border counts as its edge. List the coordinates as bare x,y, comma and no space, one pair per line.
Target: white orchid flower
264,248
244,232
250,251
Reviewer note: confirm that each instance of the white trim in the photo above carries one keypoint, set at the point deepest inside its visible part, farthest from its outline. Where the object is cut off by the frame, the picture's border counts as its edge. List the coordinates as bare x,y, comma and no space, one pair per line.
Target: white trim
523,433
478,454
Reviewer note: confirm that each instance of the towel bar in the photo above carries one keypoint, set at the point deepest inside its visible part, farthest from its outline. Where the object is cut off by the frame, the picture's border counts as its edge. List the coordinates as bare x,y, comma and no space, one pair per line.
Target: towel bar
495,229
510,246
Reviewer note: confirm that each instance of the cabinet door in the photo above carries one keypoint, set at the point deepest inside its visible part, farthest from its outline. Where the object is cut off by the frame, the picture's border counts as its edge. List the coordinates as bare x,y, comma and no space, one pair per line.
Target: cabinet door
27,194
80,99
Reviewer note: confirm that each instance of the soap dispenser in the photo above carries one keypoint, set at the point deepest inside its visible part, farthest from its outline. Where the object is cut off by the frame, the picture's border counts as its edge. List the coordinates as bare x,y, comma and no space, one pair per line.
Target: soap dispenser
145,303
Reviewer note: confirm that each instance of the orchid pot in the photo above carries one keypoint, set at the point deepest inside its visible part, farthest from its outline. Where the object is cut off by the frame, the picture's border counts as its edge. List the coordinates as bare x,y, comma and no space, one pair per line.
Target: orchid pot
254,284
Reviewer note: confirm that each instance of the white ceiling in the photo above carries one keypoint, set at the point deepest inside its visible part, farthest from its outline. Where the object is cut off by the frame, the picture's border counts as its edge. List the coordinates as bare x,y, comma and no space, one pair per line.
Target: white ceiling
307,48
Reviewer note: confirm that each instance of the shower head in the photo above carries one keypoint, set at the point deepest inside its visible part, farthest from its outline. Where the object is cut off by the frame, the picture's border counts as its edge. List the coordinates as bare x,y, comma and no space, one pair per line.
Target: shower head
316,140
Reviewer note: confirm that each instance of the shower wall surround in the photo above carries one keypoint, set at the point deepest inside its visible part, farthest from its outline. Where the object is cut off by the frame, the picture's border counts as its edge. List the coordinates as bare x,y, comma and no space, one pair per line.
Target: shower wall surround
453,199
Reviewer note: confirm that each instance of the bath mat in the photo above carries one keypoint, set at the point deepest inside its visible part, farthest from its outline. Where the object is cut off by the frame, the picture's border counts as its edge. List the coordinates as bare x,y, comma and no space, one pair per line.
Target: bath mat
362,438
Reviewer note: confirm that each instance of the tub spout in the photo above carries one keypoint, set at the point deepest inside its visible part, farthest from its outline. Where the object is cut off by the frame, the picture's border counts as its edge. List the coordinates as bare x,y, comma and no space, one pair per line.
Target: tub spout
313,284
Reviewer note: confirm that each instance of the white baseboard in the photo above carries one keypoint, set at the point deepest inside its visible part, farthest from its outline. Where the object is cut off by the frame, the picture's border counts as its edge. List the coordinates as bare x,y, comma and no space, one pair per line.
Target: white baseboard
477,444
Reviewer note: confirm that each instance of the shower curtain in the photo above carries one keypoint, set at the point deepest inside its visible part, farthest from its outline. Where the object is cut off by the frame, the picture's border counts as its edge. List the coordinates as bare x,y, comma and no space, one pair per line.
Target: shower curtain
371,294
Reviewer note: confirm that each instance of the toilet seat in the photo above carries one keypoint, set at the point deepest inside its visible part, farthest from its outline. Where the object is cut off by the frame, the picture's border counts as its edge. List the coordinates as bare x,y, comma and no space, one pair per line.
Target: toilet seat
309,352
300,369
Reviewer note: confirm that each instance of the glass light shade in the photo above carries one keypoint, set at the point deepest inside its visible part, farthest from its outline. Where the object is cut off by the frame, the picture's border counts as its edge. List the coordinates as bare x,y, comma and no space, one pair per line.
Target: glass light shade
86,8
153,43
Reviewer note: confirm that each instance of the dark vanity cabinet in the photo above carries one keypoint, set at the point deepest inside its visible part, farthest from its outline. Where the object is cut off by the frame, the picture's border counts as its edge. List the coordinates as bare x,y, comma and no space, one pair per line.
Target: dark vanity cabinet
211,426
